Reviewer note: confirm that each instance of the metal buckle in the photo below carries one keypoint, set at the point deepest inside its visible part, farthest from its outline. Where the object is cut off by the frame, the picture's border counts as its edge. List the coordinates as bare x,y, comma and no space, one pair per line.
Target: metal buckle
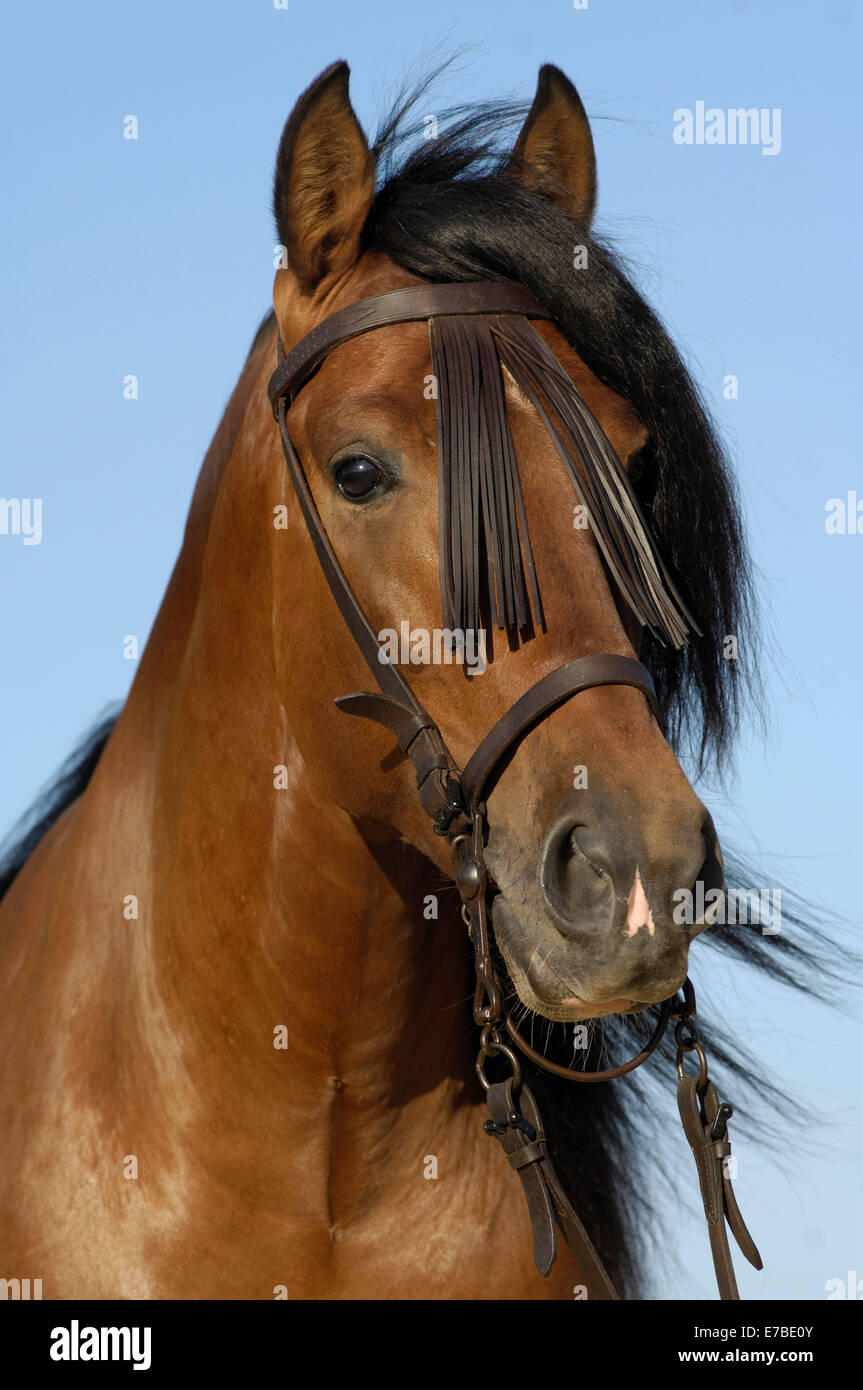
454,806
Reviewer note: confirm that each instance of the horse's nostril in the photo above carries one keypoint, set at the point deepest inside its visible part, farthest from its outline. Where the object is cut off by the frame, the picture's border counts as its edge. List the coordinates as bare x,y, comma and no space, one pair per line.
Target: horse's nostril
711,875
584,845
581,847
708,885
575,881
712,871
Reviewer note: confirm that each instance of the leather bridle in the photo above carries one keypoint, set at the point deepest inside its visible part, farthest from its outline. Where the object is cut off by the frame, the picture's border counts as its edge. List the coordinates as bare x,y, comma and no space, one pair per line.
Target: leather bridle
454,799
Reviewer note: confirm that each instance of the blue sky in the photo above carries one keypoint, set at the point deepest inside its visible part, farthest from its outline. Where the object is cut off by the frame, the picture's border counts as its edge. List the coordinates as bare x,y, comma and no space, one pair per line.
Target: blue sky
155,257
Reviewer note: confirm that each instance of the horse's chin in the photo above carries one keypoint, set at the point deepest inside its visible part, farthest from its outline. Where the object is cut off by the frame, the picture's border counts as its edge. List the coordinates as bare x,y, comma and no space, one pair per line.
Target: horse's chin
541,980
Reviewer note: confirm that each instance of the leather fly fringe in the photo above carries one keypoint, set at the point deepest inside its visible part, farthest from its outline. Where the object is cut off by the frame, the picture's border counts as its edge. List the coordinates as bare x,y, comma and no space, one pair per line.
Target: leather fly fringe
486,563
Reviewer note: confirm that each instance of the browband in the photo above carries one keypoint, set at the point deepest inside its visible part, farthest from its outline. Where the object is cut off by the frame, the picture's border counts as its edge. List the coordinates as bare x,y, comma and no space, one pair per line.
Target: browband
396,306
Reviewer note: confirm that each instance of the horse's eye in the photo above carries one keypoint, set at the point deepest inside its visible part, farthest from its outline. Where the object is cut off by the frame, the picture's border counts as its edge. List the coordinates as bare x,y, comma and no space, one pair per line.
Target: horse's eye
357,478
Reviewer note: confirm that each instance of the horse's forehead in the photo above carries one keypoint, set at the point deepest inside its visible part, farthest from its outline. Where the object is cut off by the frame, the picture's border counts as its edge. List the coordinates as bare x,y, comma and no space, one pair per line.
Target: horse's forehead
373,274
380,376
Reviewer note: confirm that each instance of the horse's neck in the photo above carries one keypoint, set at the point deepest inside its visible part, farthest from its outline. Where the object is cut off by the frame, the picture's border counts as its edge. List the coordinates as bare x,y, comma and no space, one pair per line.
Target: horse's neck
285,979
224,915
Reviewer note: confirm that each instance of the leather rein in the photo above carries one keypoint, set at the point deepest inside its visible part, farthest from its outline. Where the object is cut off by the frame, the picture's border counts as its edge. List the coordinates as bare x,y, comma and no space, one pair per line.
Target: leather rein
454,799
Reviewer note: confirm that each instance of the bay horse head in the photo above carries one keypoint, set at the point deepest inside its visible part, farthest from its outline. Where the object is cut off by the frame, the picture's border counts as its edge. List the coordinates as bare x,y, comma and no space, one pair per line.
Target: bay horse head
450,473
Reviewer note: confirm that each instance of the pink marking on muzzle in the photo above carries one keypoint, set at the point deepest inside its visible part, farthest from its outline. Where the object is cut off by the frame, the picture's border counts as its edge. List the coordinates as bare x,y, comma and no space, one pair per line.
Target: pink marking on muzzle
638,913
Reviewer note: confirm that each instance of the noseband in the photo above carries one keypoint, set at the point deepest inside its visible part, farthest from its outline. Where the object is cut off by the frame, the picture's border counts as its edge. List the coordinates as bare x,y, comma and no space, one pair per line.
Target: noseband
454,798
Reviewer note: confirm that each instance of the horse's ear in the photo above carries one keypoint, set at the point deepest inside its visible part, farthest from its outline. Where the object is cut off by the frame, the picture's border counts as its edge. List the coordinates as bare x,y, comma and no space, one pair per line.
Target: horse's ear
554,152
324,185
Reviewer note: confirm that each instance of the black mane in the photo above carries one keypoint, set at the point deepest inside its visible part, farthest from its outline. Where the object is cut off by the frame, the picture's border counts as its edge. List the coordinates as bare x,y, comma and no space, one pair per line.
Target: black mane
65,787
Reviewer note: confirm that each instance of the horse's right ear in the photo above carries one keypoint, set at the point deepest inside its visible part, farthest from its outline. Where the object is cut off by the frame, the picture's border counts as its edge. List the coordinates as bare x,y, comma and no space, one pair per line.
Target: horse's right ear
324,185
554,152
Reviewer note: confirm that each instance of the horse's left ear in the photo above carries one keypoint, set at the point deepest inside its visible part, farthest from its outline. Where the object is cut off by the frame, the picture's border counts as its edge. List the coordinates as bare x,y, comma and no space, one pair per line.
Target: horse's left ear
325,176
554,152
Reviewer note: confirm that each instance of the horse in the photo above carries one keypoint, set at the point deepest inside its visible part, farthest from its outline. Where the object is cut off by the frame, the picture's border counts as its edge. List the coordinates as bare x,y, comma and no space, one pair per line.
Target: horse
239,1054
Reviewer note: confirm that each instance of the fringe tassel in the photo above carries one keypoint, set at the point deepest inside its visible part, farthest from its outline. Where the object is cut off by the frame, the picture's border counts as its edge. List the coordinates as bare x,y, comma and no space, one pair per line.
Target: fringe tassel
482,521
